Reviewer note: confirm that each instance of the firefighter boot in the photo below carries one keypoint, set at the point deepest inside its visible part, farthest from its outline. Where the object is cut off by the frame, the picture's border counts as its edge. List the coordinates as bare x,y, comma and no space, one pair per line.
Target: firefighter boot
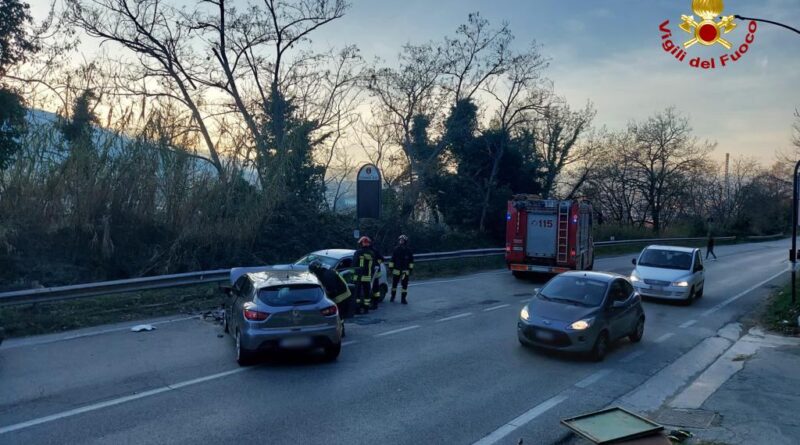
403,297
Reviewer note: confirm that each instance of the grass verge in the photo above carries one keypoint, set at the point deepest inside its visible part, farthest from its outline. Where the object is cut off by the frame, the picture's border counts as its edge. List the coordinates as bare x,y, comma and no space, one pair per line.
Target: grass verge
780,315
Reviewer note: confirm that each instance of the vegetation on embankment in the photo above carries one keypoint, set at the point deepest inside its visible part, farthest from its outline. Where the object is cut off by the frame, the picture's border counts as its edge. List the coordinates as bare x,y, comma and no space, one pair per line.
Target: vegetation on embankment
780,314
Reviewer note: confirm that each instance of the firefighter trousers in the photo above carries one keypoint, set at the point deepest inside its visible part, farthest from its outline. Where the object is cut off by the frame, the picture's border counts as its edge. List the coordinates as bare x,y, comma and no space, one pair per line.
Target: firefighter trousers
403,279
363,294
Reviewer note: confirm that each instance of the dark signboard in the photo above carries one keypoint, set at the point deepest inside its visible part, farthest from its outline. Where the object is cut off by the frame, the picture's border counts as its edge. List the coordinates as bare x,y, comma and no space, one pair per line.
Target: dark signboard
368,192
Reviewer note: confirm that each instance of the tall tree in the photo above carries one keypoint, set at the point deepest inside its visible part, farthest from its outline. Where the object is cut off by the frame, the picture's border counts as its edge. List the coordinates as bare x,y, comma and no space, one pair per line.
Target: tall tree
16,45
665,153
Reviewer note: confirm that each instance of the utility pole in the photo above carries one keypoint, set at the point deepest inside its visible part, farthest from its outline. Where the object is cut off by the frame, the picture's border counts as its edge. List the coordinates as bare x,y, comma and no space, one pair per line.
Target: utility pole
793,253
727,184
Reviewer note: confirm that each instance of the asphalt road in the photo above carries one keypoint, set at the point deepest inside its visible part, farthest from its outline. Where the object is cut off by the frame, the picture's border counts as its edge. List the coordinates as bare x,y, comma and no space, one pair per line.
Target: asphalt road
445,369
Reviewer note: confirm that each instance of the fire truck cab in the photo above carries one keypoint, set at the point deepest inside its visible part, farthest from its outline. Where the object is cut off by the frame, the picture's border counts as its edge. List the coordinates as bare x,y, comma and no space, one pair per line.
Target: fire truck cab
548,236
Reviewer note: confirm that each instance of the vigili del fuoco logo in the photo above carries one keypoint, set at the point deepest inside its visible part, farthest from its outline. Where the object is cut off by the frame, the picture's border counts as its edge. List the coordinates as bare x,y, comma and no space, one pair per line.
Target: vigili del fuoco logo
711,29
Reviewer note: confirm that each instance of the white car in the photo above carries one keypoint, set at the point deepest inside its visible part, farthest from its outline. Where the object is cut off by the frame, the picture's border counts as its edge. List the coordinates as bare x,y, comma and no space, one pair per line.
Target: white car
669,272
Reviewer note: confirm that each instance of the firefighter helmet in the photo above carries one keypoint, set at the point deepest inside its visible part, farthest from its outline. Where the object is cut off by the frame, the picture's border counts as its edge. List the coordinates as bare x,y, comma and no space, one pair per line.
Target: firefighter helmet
364,241
402,239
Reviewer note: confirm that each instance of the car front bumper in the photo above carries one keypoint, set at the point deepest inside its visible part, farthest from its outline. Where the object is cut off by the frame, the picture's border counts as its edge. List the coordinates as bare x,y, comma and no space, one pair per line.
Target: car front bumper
667,293
257,339
555,337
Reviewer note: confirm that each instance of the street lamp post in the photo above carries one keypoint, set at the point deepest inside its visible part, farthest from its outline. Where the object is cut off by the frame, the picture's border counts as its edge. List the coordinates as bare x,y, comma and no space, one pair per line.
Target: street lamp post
793,253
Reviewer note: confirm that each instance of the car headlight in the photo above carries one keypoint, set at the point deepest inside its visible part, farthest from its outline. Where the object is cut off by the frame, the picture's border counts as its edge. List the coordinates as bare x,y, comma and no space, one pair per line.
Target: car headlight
681,284
523,314
635,278
582,325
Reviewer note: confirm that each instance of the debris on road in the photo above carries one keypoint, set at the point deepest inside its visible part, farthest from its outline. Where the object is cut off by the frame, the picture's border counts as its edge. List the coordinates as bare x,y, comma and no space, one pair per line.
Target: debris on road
143,328
615,425
215,316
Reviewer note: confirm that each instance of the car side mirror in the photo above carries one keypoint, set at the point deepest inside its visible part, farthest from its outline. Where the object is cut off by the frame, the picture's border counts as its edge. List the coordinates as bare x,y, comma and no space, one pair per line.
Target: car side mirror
633,261
618,304
699,268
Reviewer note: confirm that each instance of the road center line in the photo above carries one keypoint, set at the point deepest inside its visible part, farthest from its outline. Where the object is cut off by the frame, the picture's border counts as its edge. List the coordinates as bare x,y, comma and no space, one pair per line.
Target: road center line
397,331
489,309
664,337
498,434
740,295
688,324
347,343
456,280
454,317
117,401
632,356
592,379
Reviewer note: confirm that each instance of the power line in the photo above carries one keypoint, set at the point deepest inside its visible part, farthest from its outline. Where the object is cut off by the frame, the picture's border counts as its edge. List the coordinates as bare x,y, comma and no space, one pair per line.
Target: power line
768,21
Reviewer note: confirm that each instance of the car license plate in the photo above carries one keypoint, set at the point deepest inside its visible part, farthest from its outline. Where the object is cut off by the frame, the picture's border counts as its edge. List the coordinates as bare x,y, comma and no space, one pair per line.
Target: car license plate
296,342
545,335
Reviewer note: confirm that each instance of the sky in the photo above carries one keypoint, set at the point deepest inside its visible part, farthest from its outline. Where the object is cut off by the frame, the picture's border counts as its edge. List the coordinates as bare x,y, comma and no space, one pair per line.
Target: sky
609,52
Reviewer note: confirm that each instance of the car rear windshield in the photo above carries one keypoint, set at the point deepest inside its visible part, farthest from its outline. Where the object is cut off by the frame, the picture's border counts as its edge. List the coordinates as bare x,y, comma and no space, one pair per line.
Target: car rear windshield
325,260
575,290
291,295
666,259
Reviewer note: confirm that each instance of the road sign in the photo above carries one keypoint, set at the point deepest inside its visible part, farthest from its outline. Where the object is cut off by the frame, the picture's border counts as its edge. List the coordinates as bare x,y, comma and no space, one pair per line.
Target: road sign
368,192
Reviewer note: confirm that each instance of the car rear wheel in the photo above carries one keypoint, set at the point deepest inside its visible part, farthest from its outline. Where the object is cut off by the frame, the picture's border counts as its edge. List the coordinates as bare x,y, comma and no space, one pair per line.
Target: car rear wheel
243,356
225,322
638,331
600,347
332,352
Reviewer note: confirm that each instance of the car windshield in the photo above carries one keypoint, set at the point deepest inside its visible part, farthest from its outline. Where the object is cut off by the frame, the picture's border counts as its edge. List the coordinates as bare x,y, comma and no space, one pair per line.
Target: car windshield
575,290
666,259
291,295
325,260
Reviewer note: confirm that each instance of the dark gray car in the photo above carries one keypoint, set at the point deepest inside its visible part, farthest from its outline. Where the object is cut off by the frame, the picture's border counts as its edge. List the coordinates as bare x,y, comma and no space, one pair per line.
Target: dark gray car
280,309
582,312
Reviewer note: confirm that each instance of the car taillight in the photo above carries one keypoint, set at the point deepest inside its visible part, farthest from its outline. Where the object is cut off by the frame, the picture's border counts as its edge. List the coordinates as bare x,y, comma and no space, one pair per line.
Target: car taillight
250,313
330,311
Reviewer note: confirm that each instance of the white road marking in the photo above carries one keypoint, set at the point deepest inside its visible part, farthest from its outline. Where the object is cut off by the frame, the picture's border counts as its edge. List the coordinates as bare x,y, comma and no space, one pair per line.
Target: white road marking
664,337
740,295
117,401
632,356
454,317
688,324
525,300
520,421
348,343
592,379
397,331
489,309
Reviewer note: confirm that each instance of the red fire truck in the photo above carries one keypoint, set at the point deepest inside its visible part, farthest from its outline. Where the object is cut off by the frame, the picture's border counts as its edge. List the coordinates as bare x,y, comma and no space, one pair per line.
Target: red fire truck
548,236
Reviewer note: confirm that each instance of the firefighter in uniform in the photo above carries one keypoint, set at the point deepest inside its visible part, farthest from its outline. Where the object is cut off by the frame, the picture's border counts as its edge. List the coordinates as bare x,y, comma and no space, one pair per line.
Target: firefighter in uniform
376,278
335,288
334,285
364,262
402,264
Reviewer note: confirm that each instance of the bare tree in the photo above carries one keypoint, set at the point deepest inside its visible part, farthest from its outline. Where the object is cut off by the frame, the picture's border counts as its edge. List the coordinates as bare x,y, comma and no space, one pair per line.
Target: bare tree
665,154
557,135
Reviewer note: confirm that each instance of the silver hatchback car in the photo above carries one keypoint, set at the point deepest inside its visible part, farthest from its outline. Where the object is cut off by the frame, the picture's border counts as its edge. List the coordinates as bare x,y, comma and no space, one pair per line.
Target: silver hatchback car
669,272
582,312
280,309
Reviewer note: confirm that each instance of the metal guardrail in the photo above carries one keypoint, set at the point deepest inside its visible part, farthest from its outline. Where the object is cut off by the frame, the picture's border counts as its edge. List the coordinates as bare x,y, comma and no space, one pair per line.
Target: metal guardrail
657,240
111,287
215,276
426,257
